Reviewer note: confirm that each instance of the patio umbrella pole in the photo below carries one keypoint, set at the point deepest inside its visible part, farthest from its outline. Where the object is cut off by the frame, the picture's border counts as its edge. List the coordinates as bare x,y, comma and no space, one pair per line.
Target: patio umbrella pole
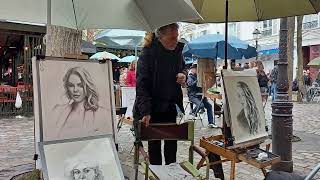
136,51
226,130
48,12
226,37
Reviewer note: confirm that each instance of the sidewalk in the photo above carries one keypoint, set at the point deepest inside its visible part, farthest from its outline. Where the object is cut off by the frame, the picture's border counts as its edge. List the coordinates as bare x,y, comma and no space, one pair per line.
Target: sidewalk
16,143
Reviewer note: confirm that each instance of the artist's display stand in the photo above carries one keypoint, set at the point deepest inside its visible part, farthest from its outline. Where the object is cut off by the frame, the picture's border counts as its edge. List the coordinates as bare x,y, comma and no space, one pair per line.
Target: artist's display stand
39,63
216,145
223,145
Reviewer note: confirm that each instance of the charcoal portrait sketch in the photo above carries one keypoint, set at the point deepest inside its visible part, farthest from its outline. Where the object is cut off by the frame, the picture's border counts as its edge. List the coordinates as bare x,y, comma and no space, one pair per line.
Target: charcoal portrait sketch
75,100
245,107
82,110
249,116
90,159
84,171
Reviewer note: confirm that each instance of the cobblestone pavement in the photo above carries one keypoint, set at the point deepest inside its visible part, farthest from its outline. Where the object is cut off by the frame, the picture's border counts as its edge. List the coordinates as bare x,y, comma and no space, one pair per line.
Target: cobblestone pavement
16,143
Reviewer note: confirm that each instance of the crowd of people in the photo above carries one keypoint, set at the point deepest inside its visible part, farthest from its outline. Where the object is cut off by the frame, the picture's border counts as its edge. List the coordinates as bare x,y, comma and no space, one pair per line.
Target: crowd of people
268,81
126,76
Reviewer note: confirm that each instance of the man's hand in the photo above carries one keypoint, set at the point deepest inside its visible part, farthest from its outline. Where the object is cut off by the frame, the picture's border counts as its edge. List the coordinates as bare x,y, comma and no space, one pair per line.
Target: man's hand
146,120
181,79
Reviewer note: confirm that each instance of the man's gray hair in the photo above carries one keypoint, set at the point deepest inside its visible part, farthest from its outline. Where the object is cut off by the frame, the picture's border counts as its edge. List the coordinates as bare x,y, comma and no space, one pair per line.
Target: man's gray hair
160,30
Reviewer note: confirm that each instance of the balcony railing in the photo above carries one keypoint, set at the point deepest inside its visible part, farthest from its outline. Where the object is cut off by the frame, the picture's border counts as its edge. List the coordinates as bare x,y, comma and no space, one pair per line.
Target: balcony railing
266,32
310,25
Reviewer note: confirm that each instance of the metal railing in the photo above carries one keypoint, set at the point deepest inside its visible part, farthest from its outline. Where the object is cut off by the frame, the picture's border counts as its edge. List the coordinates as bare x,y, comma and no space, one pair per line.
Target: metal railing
310,25
266,32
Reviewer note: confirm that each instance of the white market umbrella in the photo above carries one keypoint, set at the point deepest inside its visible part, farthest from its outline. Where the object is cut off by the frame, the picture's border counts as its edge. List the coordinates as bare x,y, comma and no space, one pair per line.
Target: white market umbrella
104,55
120,37
99,14
128,59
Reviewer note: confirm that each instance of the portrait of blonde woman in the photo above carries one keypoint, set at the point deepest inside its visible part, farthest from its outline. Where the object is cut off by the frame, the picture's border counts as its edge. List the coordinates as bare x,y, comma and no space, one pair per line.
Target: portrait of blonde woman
81,115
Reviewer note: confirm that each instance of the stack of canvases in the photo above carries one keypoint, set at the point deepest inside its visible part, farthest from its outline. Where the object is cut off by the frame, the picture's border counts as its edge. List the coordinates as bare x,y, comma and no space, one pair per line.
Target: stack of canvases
244,111
74,119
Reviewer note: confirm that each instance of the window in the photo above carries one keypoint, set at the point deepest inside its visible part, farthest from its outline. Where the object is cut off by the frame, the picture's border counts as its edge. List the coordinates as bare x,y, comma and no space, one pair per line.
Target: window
191,37
204,32
267,24
232,29
310,21
275,26
266,29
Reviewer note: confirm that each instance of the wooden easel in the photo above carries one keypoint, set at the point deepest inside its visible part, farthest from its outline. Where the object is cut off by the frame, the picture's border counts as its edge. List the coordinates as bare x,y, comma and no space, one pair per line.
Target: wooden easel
215,144
223,146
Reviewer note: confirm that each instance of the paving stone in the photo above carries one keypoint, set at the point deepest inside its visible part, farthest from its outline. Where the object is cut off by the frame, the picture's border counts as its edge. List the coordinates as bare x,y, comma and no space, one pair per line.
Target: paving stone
17,144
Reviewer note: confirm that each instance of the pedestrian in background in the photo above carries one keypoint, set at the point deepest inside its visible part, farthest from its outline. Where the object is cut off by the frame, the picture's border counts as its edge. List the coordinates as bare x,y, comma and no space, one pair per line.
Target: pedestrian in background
131,75
307,79
273,79
123,76
246,66
262,78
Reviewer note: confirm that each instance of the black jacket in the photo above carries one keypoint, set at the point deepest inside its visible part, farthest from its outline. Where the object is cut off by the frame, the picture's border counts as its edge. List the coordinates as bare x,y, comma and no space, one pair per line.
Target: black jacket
157,90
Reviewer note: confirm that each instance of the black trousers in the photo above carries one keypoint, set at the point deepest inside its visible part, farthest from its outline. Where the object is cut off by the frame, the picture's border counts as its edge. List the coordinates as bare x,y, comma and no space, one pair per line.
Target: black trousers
170,146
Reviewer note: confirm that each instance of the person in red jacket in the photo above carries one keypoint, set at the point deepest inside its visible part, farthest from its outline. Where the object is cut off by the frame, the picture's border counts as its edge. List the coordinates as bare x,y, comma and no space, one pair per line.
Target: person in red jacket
131,75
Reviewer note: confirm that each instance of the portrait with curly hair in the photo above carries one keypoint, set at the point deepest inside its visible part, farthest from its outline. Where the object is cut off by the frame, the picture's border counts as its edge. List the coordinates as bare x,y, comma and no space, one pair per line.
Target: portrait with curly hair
76,99
92,158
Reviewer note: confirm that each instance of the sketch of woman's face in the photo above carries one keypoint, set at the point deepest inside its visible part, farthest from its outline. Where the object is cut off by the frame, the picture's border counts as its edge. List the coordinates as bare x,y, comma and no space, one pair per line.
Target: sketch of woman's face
76,88
84,173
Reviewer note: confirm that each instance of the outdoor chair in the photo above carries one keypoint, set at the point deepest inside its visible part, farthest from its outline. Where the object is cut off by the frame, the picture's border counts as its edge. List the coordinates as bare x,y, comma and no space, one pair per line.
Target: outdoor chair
197,115
313,93
121,113
169,131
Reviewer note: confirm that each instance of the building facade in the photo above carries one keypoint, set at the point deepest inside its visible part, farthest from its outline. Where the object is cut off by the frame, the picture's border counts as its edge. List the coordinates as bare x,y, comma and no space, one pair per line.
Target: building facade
268,41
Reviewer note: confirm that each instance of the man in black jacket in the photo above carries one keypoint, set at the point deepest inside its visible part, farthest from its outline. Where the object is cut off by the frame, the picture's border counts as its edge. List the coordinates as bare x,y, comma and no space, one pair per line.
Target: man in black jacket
158,89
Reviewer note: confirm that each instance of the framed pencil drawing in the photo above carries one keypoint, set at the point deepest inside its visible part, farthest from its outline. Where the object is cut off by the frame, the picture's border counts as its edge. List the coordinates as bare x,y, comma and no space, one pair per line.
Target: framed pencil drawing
91,158
75,98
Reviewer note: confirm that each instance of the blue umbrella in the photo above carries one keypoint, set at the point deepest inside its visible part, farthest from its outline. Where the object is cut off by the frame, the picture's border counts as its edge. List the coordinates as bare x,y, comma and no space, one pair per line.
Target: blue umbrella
127,59
189,60
212,46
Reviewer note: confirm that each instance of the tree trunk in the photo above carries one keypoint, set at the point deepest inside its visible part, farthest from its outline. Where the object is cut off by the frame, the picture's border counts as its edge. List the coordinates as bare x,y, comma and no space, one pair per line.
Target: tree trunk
300,59
206,74
291,26
61,41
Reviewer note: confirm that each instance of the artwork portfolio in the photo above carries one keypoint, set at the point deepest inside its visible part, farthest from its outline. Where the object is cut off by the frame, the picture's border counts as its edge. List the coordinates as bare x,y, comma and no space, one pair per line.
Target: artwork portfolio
81,159
244,103
76,99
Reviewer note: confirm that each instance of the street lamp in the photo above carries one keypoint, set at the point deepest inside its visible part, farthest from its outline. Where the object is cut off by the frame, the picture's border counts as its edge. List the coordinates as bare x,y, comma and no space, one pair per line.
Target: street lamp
256,34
